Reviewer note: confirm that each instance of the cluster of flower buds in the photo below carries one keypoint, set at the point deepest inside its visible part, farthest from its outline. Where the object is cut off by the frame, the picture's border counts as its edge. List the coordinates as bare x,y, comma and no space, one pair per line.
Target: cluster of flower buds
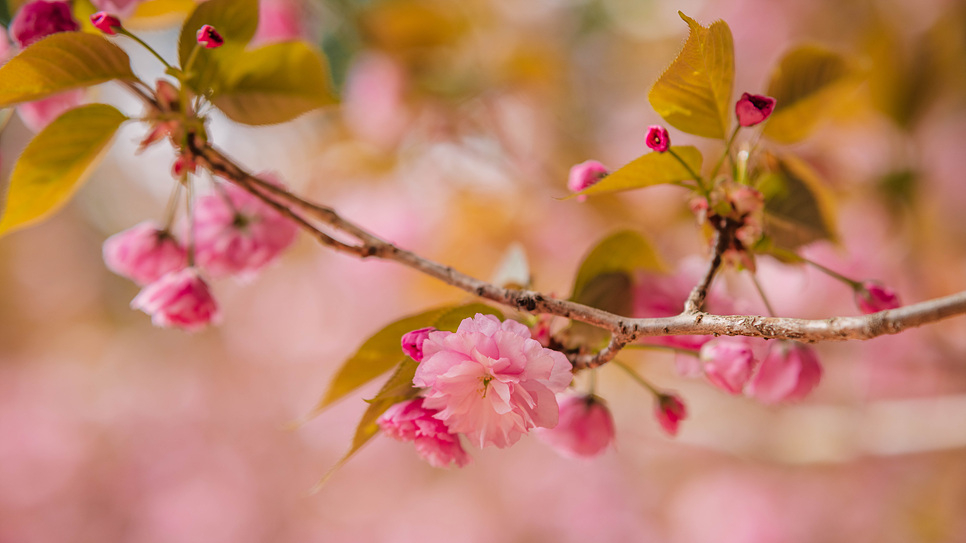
235,234
789,371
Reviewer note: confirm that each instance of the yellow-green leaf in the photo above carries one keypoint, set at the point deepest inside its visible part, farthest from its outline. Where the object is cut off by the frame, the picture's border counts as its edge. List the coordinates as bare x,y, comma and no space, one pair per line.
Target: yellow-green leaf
623,252
808,83
382,351
60,62
275,83
798,205
694,93
56,162
236,22
649,170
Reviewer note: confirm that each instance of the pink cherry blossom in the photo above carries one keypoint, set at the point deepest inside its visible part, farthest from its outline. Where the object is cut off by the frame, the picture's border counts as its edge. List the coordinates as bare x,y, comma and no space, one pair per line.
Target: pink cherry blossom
209,37
585,427
281,20
5,49
872,297
412,343
412,421
120,8
144,253
40,18
658,139
38,114
491,380
238,234
179,299
728,363
670,411
752,109
788,373
584,175
105,22
374,106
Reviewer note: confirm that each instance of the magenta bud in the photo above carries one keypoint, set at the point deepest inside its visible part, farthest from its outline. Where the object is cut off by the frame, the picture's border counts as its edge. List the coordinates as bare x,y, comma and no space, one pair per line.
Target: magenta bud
209,37
752,109
872,297
658,138
788,372
585,427
670,411
584,175
728,363
412,343
105,22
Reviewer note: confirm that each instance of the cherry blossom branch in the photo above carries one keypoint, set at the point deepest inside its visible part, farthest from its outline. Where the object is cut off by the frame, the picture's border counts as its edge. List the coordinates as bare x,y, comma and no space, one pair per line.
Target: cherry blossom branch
624,330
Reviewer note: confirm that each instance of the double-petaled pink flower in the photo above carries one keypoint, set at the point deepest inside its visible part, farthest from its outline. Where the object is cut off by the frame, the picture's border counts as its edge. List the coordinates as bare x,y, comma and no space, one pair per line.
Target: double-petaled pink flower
412,343
585,427
180,299
237,234
38,19
412,421
144,253
491,381
789,372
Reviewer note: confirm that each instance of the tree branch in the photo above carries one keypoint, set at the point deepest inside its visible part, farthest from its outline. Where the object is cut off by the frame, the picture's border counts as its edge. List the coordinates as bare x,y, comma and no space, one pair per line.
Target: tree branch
624,330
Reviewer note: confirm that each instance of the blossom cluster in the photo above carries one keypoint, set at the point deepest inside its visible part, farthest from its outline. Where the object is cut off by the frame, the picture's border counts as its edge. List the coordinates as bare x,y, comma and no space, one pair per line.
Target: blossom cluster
231,233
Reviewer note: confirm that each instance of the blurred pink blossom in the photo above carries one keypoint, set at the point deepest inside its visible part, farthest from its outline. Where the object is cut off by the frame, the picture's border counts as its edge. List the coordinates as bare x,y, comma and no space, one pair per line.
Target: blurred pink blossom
180,299
752,109
491,381
788,372
657,138
280,20
144,253
412,421
38,114
662,295
5,48
585,427
728,363
412,343
584,175
873,297
119,8
40,18
670,411
238,234
374,108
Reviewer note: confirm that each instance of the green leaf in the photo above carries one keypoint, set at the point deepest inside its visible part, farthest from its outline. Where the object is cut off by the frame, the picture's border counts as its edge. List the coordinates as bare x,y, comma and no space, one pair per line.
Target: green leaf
798,206
61,62
694,93
236,21
274,84
624,252
56,162
649,170
398,388
382,351
808,83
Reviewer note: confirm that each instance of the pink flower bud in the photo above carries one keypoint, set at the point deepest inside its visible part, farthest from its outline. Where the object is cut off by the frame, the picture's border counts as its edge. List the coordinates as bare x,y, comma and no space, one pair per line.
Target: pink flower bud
670,410
209,37
658,139
238,234
584,428
752,109
789,372
144,253
872,297
728,363
105,22
41,18
179,299
412,421
584,175
412,343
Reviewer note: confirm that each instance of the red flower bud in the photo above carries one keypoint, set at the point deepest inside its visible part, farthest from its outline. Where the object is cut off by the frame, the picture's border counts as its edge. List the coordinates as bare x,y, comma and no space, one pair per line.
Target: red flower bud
105,22
752,109
871,297
658,138
584,175
209,37
670,410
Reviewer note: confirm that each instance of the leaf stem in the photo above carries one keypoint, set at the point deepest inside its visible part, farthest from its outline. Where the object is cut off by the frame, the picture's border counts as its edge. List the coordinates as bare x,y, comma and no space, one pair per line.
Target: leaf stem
834,274
150,49
726,153
634,375
186,181
761,293
172,208
691,172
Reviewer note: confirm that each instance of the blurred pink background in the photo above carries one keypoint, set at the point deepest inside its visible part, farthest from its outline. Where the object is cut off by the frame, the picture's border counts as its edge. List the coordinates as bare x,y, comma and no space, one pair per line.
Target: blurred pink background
460,122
